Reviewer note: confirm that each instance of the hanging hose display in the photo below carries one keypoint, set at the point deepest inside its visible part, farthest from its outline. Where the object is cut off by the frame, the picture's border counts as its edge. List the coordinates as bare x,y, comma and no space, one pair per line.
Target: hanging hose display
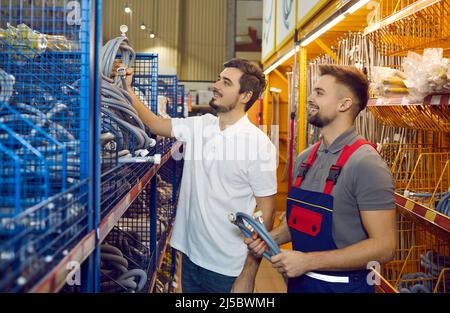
118,114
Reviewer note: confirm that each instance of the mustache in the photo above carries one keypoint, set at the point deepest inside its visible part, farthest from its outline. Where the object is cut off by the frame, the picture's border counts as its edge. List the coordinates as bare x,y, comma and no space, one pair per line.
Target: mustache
311,104
217,91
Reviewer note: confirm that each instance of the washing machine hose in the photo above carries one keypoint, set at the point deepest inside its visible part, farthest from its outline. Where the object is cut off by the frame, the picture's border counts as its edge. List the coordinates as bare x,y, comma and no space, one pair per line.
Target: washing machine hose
243,221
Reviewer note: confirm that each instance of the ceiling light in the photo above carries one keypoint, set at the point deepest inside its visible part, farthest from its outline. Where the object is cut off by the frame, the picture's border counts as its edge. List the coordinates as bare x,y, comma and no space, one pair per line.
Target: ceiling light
282,60
357,5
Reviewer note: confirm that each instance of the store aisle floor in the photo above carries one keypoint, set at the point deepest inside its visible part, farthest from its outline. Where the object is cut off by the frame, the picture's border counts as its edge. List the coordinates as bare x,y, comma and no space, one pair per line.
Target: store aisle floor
268,279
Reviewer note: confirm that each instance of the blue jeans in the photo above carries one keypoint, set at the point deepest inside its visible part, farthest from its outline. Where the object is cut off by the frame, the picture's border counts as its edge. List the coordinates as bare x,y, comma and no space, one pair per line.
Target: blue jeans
196,279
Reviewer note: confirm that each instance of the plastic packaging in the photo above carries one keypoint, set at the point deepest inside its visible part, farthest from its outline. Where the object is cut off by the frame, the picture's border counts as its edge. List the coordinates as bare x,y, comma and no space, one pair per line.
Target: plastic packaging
388,82
24,37
427,74
59,43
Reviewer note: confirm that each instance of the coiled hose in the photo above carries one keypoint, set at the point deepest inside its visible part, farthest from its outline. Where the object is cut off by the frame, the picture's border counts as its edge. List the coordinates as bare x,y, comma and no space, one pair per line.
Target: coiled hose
243,221
422,282
444,205
116,101
115,269
415,283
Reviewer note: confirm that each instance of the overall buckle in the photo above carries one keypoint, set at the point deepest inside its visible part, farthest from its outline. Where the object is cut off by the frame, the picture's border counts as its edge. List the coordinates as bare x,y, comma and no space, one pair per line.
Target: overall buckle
304,168
334,173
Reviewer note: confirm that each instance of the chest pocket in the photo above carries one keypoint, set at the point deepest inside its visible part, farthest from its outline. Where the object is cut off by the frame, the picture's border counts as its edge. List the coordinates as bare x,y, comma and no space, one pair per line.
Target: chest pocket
305,221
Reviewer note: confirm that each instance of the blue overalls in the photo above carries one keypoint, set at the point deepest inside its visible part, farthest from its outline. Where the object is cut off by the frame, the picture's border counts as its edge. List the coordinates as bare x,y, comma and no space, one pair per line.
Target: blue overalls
310,220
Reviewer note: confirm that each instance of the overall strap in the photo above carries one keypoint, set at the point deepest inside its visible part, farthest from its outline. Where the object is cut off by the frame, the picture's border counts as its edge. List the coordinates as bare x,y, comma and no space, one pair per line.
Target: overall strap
335,170
305,166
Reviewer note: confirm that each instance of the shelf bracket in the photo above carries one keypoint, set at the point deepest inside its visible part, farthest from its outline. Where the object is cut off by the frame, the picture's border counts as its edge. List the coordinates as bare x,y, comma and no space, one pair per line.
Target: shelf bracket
326,49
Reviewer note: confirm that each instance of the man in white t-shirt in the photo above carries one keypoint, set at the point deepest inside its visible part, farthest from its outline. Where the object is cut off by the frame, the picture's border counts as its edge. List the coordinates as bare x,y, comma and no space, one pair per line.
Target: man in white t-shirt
229,166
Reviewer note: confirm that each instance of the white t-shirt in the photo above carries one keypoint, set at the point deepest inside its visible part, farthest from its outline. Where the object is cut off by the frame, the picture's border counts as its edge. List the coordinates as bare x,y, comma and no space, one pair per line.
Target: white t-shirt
223,172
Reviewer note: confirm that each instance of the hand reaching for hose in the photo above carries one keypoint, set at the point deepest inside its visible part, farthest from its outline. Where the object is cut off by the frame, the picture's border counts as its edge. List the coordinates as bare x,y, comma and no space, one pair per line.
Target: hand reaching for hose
128,78
129,73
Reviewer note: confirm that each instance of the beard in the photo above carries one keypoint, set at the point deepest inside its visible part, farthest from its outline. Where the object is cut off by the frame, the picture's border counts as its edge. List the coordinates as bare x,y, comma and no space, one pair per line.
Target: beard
318,121
221,108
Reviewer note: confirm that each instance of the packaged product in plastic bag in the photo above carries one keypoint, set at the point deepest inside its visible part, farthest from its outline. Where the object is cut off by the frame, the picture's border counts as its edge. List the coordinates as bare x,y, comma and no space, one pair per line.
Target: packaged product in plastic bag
59,43
388,82
22,41
428,73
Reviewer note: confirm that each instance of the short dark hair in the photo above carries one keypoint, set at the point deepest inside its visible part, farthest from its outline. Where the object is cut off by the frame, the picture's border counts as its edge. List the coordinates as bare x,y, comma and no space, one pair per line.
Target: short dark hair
349,76
252,79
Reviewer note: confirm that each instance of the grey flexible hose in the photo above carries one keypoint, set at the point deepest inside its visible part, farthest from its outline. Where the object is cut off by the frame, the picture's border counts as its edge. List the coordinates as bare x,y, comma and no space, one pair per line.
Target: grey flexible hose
135,273
119,267
121,153
118,136
114,258
259,228
110,51
126,280
116,101
124,283
111,249
106,137
142,138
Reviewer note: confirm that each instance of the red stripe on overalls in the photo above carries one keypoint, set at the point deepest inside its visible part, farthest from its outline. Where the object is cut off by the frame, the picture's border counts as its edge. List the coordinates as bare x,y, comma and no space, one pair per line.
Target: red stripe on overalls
307,165
335,170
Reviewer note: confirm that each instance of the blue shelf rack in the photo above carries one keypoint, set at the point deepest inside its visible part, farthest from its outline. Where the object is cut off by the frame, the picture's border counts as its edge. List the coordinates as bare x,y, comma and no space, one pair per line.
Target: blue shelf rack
46,154
145,79
131,205
181,101
55,207
168,87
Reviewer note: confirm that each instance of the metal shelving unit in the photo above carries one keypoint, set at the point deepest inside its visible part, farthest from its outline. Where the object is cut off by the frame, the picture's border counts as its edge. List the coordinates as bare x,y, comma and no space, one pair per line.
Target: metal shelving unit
56,278
432,114
168,87
56,209
423,254
413,137
45,142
